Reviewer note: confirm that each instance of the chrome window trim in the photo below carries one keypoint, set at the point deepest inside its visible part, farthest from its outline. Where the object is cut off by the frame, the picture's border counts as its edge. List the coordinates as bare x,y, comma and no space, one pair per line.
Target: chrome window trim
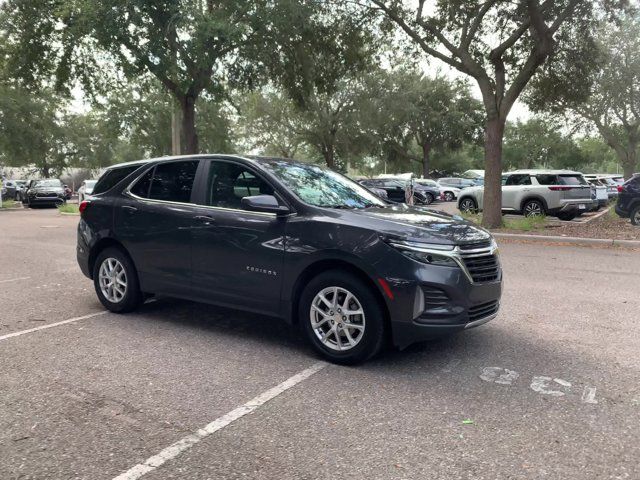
127,192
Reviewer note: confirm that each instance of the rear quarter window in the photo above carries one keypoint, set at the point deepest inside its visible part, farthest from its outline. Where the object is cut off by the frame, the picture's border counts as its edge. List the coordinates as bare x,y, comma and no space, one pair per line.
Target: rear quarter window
547,179
572,180
112,177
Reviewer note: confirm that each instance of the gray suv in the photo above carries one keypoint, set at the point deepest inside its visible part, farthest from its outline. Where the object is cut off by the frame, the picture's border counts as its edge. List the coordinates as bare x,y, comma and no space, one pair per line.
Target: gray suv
561,193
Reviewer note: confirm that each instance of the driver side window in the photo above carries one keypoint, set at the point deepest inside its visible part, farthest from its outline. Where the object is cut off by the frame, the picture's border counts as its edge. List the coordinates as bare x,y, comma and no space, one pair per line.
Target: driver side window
229,183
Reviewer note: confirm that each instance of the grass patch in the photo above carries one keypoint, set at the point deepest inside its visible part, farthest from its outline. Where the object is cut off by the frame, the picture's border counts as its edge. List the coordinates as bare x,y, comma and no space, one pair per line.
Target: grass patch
68,208
8,204
526,224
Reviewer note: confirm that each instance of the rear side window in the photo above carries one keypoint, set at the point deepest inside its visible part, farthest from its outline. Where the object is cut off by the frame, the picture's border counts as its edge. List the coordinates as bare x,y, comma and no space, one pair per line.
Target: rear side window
547,179
571,180
173,182
112,177
518,180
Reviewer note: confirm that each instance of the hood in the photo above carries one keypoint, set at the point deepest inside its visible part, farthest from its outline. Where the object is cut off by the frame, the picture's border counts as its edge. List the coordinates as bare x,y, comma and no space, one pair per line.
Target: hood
417,224
45,188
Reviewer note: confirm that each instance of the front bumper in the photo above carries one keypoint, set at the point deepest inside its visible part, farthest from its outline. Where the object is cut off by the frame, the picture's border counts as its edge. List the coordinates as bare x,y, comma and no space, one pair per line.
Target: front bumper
429,301
46,200
467,306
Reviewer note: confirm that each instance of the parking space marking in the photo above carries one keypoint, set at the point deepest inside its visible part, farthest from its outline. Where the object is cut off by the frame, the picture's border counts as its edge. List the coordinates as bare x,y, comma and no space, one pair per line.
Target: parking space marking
14,279
51,325
589,395
172,451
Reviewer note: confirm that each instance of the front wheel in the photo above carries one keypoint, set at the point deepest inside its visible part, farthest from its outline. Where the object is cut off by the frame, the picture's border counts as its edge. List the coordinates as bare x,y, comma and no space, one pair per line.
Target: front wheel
428,199
448,196
116,281
468,205
341,317
635,216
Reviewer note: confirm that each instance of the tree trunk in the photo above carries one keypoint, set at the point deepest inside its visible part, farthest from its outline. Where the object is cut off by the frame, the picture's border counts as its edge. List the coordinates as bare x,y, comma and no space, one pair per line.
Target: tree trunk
492,204
175,129
426,151
329,156
630,163
189,134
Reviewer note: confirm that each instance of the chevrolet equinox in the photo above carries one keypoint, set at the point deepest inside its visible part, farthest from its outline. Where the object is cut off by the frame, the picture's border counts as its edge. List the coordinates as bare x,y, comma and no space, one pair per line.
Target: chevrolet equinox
291,240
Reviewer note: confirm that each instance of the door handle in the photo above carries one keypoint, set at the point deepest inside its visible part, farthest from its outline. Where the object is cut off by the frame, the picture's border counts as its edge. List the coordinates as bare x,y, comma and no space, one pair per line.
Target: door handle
129,208
205,219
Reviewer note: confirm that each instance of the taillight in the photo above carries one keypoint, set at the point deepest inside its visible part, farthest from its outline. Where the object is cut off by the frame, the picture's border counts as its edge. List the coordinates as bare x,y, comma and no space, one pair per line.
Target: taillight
559,189
620,188
83,205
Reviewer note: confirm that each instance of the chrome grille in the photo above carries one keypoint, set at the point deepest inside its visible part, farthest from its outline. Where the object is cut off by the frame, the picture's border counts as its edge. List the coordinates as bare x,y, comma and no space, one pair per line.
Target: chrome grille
483,310
482,268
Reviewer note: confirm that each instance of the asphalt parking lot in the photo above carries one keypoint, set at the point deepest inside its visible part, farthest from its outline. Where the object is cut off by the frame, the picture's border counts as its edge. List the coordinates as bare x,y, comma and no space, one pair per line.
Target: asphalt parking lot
549,389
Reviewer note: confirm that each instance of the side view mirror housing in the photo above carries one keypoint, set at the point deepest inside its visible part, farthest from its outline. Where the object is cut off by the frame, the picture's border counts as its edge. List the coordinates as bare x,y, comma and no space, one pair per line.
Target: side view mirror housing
264,203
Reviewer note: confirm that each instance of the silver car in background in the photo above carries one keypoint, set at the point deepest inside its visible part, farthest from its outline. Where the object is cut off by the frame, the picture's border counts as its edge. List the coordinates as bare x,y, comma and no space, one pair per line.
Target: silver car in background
86,189
561,193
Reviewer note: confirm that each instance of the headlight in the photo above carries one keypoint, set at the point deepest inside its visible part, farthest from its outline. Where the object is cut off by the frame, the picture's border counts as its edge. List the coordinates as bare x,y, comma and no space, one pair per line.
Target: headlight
430,254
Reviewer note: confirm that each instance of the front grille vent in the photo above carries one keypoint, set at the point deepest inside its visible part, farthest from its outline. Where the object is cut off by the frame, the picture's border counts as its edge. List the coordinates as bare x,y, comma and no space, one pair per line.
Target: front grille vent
434,297
483,310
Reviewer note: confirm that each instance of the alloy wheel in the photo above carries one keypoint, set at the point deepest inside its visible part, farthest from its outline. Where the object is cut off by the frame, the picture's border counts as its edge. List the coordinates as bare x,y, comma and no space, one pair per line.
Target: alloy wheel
467,205
337,318
533,209
636,218
448,196
113,280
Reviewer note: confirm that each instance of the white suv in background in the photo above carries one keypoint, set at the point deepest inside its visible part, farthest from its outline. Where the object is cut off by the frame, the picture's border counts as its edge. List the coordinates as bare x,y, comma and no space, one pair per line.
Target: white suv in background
561,193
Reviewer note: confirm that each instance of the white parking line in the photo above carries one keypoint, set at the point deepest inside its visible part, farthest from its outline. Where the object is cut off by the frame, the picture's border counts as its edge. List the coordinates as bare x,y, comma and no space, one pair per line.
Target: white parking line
172,451
50,325
14,279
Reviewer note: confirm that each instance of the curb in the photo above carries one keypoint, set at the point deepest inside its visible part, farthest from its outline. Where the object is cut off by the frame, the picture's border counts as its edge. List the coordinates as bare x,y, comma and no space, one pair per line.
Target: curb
70,214
572,240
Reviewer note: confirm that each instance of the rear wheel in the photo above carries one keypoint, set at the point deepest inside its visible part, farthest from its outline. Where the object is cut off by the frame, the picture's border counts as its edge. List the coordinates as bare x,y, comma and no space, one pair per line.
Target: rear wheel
116,281
341,317
533,208
566,216
635,216
468,205
428,199
448,196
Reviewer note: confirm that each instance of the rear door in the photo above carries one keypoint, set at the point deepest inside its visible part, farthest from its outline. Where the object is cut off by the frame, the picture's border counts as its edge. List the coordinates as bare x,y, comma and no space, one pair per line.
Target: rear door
237,254
154,220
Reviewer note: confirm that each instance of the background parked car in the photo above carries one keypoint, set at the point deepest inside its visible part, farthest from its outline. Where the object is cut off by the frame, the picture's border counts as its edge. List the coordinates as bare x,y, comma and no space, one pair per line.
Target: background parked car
12,189
86,188
49,191
608,181
628,205
601,191
560,193
449,193
395,189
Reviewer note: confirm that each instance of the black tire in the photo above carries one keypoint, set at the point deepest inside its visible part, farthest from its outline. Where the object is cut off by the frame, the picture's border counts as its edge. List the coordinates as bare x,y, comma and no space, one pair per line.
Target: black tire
449,197
372,337
635,216
533,208
428,199
566,216
133,296
468,205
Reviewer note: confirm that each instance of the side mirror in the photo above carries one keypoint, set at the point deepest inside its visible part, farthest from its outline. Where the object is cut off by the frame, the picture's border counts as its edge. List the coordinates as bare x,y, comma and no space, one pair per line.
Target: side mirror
264,203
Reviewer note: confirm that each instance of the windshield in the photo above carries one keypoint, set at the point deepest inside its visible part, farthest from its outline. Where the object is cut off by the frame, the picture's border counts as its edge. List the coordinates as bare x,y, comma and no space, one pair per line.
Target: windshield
48,183
322,187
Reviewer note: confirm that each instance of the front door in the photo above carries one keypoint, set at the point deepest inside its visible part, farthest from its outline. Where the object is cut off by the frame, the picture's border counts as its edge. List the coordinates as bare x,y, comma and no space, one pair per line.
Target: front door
237,254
